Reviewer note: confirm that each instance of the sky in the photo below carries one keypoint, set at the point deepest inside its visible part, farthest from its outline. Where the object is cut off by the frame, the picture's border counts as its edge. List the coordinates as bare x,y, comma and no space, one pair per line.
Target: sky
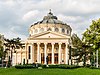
16,16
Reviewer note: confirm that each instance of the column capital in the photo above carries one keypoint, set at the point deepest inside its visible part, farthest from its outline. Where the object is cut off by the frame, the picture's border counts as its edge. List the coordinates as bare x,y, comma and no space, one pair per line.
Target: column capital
38,43
53,43
60,43
45,43
66,43
32,43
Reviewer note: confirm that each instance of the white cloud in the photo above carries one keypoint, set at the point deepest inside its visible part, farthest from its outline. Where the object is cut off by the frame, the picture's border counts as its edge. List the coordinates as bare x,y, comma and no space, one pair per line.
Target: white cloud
30,15
70,18
17,15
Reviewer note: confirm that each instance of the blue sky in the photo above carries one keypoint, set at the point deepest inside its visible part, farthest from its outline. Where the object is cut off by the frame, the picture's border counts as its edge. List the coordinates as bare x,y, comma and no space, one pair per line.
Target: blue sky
16,16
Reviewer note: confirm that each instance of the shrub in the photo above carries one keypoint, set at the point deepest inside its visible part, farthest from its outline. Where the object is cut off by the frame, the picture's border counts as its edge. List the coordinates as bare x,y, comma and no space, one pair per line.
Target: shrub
50,66
93,67
53,66
24,66
44,66
88,66
28,66
38,65
64,66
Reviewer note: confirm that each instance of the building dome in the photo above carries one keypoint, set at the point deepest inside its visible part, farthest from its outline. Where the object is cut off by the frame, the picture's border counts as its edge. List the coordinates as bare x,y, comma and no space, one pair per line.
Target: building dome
50,23
49,19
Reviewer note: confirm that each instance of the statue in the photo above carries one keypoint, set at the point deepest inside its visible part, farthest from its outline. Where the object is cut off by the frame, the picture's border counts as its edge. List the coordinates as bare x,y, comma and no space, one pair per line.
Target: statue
47,60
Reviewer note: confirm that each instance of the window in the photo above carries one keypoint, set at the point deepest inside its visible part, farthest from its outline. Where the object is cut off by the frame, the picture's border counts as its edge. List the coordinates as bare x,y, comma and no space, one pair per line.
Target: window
56,29
23,47
63,30
67,31
49,29
42,49
56,49
36,31
41,30
29,52
49,49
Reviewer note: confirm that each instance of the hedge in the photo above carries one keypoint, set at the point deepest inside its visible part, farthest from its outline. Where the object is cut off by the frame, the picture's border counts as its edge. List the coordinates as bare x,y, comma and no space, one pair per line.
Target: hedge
27,66
30,66
62,66
50,66
24,66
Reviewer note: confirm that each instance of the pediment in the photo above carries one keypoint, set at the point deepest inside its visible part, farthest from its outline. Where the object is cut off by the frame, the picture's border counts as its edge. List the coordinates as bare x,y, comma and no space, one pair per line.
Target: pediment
49,35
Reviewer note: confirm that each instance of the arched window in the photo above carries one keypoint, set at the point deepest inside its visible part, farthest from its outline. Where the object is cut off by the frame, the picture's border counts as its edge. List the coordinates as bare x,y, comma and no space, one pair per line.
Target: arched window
41,30
56,29
35,31
67,31
63,30
49,29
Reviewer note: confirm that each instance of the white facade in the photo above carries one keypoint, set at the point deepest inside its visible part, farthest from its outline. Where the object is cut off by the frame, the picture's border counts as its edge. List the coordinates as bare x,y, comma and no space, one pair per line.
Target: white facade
48,41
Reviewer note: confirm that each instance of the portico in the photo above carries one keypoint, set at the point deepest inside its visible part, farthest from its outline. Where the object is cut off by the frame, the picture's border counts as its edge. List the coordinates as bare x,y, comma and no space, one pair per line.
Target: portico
56,52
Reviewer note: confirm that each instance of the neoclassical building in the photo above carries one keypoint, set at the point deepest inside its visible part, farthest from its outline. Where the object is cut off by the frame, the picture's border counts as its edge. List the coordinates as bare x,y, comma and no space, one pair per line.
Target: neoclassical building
48,40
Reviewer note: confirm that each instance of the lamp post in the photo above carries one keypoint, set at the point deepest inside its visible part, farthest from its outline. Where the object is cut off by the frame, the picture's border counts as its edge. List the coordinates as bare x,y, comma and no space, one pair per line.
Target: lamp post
97,49
97,58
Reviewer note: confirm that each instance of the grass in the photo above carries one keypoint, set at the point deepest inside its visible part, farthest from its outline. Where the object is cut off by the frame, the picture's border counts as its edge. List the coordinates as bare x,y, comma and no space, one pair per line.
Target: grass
78,71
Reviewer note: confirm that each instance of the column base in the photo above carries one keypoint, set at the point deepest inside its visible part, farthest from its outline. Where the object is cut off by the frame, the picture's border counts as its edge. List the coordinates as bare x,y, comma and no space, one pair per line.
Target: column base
70,62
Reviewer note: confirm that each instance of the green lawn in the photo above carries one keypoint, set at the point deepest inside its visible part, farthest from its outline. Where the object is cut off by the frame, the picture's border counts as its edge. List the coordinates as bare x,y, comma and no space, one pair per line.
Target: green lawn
78,71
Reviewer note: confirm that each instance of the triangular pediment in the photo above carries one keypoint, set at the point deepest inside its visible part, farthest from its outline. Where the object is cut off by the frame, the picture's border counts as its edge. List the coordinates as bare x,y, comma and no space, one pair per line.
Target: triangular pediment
49,35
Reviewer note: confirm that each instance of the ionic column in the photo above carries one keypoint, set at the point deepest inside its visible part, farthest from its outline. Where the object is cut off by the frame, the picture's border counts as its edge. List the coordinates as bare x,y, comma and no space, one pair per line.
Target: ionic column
38,52
52,53
59,54
66,53
32,52
45,53
26,53
21,54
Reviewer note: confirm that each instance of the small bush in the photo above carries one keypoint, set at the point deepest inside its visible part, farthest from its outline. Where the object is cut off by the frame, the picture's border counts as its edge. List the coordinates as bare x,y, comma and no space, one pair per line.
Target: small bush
93,67
88,66
38,65
24,66
53,66
44,66
64,66
50,66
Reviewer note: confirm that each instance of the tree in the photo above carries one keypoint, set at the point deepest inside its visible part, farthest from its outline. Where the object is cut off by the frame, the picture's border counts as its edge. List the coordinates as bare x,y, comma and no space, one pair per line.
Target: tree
92,37
2,52
12,45
77,48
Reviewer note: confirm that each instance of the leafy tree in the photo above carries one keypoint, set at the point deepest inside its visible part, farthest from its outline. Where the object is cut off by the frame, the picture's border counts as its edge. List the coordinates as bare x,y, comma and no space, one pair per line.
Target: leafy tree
2,52
77,48
92,37
12,45
76,42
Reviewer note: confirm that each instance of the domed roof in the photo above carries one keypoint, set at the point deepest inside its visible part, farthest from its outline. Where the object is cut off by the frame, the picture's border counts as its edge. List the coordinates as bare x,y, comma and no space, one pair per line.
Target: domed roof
49,19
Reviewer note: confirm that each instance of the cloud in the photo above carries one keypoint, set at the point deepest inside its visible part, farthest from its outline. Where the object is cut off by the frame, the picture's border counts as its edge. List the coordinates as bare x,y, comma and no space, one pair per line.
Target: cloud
16,16
30,15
